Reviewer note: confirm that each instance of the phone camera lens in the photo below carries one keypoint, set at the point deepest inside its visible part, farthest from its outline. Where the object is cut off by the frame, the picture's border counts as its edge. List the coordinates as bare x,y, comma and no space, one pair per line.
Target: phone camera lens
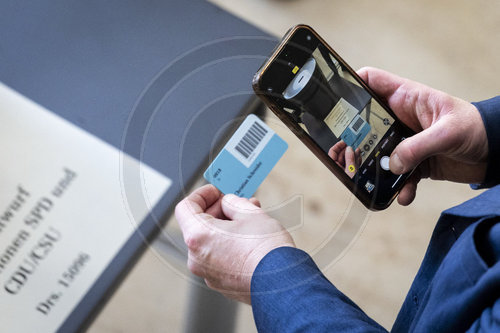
308,37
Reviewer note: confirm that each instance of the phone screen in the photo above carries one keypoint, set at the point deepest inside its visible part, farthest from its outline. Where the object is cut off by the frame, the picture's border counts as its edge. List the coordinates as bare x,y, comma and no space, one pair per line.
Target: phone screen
316,91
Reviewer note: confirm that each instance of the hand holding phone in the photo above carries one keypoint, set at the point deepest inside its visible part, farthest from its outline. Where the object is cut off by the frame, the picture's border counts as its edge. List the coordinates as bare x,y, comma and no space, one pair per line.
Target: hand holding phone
344,123
451,142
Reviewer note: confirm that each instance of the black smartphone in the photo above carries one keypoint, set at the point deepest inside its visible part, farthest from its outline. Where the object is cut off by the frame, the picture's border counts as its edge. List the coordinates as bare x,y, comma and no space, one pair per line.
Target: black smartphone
329,107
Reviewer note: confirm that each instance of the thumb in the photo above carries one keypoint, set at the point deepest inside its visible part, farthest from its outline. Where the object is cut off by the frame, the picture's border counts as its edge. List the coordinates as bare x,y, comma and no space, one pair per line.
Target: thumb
350,163
236,208
415,149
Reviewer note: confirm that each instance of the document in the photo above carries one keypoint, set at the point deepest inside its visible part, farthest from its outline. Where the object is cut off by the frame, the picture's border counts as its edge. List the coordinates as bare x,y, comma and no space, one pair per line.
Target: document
64,212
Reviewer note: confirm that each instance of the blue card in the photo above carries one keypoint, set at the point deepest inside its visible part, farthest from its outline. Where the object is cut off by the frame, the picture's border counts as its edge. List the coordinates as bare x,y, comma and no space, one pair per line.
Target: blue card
246,159
355,133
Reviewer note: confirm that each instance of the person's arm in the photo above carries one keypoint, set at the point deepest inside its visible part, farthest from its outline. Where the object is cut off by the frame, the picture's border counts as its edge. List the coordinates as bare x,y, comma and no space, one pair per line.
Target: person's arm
490,113
290,294
228,237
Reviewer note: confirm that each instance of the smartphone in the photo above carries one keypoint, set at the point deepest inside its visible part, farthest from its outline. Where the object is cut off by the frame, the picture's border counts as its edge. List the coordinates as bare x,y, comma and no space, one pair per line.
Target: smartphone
334,113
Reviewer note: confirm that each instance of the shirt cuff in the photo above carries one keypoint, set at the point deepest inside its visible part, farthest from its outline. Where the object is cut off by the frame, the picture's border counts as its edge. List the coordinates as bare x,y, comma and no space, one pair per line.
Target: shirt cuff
282,269
490,113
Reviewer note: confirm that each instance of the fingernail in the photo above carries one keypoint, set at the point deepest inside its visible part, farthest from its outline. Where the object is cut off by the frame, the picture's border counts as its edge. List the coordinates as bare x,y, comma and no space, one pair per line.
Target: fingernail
395,164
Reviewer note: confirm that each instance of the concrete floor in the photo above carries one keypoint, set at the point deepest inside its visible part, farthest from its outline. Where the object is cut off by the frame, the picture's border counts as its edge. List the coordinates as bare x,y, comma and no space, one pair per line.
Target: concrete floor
450,45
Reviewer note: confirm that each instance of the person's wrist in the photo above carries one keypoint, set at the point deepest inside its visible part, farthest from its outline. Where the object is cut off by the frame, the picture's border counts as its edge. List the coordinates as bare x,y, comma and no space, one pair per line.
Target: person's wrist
258,254
479,136
479,140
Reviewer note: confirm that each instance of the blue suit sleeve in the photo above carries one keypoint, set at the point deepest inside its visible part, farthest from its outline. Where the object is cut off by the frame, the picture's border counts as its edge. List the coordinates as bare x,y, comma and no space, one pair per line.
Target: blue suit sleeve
290,294
490,113
489,321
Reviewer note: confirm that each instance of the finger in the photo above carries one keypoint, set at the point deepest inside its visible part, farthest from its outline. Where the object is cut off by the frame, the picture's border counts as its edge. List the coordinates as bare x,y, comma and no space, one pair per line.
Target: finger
409,153
407,194
236,208
336,149
216,208
358,157
401,94
350,161
409,190
196,203
339,146
255,201
405,97
383,83
332,153
341,157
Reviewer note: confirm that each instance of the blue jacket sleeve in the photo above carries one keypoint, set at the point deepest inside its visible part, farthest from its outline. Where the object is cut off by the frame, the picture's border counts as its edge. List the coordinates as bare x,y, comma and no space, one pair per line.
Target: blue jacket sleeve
490,112
489,321
290,294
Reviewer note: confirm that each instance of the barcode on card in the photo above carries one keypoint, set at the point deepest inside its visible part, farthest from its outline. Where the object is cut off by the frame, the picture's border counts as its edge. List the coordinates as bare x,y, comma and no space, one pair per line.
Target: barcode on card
249,140
357,124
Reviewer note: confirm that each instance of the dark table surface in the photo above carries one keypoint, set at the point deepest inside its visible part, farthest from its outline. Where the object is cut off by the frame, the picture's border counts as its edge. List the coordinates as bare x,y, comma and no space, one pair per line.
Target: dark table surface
163,81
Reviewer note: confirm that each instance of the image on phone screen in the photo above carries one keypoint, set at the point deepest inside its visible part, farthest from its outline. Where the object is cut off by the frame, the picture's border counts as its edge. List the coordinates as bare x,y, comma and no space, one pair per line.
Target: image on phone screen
319,94
331,106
